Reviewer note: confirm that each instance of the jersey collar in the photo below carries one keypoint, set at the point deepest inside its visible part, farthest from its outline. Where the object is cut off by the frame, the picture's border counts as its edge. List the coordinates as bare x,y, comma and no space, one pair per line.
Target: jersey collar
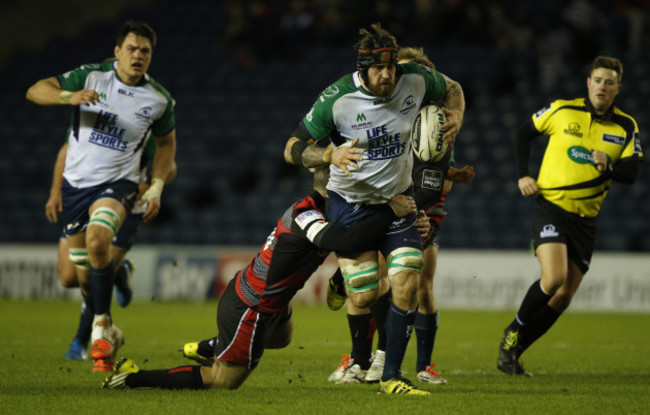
356,78
607,116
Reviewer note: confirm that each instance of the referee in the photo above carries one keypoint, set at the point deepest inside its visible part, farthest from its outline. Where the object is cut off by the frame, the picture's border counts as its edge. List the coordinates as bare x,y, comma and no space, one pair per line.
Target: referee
591,142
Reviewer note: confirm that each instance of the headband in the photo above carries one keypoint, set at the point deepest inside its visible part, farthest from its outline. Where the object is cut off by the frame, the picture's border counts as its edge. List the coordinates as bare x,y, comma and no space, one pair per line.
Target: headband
368,58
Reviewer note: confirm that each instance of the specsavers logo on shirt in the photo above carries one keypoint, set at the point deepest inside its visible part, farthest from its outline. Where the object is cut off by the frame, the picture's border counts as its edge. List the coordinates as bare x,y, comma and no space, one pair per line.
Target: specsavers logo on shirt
581,155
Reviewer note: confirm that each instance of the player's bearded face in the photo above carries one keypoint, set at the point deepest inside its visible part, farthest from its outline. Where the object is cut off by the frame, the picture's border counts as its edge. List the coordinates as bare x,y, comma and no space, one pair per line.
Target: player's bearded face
381,79
133,58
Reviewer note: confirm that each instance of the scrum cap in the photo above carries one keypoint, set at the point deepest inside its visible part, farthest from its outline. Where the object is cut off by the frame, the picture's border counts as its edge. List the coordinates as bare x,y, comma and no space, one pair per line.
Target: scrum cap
375,47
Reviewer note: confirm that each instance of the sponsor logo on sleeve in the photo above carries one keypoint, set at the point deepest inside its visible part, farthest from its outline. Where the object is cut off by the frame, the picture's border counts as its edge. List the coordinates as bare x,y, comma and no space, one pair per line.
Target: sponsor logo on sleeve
541,112
637,143
330,92
310,115
307,217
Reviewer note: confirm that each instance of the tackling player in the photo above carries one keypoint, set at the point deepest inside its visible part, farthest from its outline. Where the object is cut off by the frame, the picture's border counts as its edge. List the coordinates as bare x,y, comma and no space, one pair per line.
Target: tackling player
254,313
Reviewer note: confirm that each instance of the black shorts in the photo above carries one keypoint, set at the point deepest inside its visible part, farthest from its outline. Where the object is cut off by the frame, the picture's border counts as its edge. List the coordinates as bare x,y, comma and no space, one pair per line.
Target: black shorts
551,223
243,330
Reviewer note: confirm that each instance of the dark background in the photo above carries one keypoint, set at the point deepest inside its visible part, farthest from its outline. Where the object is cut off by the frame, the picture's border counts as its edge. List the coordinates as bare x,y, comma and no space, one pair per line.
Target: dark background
244,73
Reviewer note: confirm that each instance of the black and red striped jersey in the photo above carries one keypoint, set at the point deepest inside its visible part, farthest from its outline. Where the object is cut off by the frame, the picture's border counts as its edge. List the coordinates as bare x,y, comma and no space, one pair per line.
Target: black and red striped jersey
298,245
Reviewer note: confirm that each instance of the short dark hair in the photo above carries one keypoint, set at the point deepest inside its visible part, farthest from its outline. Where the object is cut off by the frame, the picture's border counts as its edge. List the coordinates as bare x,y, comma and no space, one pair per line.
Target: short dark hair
609,63
137,28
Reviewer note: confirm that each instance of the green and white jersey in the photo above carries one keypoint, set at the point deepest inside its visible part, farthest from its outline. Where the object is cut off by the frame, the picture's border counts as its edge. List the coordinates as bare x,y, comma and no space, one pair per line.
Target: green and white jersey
345,111
105,140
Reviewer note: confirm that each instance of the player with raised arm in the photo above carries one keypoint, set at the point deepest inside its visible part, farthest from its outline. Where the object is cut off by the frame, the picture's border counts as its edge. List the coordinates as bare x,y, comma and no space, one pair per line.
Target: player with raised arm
120,246
115,105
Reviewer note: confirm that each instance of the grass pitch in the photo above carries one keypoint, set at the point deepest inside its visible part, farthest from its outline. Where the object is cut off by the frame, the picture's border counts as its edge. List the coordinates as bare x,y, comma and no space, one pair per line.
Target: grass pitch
587,364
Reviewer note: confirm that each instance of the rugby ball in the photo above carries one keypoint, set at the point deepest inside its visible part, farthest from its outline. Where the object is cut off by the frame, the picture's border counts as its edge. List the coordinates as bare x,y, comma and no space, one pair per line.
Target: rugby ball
426,134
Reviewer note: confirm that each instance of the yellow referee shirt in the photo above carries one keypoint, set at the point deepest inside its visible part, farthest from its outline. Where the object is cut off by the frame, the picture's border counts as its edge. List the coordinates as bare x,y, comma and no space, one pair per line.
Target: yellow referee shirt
568,177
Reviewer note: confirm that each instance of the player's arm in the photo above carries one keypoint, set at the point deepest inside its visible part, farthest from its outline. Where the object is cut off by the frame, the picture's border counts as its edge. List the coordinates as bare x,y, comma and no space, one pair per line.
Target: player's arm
54,204
302,150
454,108
525,133
304,153
48,91
624,170
162,168
334,236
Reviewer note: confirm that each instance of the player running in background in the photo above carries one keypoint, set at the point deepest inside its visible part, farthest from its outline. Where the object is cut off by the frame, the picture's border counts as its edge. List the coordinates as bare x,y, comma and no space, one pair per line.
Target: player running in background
591,143
115,105
121,244
254,312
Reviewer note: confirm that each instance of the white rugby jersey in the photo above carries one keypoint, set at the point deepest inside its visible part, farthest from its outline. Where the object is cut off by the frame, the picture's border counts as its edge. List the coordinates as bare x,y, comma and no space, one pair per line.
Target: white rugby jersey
105,140
345,111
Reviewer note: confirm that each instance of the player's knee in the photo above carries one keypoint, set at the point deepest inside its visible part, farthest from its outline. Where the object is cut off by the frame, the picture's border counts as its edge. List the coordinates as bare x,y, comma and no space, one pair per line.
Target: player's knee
364,299
97,247
79,257
405,260
425,290
224,375
561,300
361,277
214,380
551,284
68,280
106,218
426,302
406,283
425,283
